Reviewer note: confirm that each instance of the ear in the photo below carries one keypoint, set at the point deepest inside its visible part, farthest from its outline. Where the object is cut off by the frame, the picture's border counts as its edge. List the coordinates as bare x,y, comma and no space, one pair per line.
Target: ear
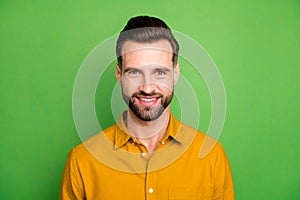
118,72
176,73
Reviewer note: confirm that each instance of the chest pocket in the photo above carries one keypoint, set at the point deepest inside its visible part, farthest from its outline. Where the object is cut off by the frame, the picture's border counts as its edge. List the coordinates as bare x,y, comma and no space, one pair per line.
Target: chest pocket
191,193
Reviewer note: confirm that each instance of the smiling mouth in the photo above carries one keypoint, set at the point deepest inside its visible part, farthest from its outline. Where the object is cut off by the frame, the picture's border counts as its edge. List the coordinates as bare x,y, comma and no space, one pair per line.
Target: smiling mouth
148,101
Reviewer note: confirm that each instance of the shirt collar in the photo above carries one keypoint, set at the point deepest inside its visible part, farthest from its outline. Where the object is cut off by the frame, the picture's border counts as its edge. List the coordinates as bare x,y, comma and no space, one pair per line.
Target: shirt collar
122,136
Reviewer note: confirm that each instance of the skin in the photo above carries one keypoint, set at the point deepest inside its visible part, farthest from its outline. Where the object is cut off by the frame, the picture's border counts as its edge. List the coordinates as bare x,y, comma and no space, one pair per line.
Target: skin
147,79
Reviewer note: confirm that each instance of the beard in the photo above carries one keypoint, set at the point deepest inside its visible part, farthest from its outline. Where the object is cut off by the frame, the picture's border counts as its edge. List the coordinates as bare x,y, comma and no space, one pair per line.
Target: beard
148,113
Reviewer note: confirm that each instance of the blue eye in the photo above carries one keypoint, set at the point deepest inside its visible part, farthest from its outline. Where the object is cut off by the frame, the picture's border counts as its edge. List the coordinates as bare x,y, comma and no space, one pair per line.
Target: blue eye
160,73
133,72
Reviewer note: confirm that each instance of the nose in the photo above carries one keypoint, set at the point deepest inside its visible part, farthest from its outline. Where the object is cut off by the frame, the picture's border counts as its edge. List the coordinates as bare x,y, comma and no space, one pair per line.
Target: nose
147,85
147,88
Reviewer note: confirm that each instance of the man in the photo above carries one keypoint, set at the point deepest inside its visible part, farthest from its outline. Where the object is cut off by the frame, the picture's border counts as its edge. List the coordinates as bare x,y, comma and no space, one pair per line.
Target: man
147,154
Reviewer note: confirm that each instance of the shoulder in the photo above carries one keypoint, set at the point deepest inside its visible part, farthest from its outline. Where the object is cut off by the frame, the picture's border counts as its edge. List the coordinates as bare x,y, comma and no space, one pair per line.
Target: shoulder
100,139
206,145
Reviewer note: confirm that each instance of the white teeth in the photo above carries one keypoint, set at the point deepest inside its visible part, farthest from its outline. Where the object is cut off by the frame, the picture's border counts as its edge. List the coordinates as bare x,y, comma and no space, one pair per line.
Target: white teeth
147,100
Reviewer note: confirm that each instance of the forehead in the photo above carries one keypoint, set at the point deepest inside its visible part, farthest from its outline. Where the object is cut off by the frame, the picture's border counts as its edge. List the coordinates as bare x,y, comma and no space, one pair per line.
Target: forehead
162,45
136,53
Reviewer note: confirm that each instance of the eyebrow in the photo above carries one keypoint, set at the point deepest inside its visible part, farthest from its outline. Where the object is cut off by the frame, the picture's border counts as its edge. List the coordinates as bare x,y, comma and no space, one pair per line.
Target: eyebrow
165,69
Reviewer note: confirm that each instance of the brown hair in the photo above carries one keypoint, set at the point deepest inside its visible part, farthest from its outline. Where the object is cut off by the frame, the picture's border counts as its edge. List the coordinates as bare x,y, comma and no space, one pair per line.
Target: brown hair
146,29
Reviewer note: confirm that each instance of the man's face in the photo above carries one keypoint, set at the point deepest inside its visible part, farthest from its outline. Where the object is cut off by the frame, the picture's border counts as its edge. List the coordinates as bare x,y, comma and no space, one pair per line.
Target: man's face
147,77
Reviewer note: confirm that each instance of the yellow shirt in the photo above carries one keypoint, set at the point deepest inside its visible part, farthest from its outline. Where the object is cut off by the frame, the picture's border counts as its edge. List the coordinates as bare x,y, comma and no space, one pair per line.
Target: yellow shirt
114,166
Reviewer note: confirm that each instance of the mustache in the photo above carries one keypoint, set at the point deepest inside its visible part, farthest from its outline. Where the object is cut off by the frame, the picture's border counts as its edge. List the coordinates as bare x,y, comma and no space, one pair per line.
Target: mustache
142,93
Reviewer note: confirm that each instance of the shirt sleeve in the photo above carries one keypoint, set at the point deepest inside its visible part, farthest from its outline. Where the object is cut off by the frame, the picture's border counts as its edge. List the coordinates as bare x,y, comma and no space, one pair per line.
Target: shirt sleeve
223,186
72,183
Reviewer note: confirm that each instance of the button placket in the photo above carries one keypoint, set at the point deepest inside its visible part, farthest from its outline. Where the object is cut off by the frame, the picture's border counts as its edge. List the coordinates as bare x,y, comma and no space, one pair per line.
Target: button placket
151,182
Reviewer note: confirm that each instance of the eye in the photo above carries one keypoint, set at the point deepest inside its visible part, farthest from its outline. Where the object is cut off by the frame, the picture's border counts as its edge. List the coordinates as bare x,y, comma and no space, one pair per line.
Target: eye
133,72
160,73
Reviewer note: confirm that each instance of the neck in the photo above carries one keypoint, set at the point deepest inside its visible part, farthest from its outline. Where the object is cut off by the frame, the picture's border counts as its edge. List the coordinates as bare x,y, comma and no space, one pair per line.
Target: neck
149,133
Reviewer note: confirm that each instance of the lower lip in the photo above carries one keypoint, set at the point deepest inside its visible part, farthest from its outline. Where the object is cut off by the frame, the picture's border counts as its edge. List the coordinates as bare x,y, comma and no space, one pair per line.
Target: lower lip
148,103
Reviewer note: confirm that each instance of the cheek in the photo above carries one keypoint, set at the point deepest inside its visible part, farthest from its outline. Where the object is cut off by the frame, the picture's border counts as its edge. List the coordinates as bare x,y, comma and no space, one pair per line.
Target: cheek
129,87
166,85
165,89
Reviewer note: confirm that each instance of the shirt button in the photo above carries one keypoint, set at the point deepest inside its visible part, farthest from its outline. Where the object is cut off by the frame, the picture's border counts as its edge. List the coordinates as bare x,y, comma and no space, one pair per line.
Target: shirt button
150,190
162,142
133,143
143,154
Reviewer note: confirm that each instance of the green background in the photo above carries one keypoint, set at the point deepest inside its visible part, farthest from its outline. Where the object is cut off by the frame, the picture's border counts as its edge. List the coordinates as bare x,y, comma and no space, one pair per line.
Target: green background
255,45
